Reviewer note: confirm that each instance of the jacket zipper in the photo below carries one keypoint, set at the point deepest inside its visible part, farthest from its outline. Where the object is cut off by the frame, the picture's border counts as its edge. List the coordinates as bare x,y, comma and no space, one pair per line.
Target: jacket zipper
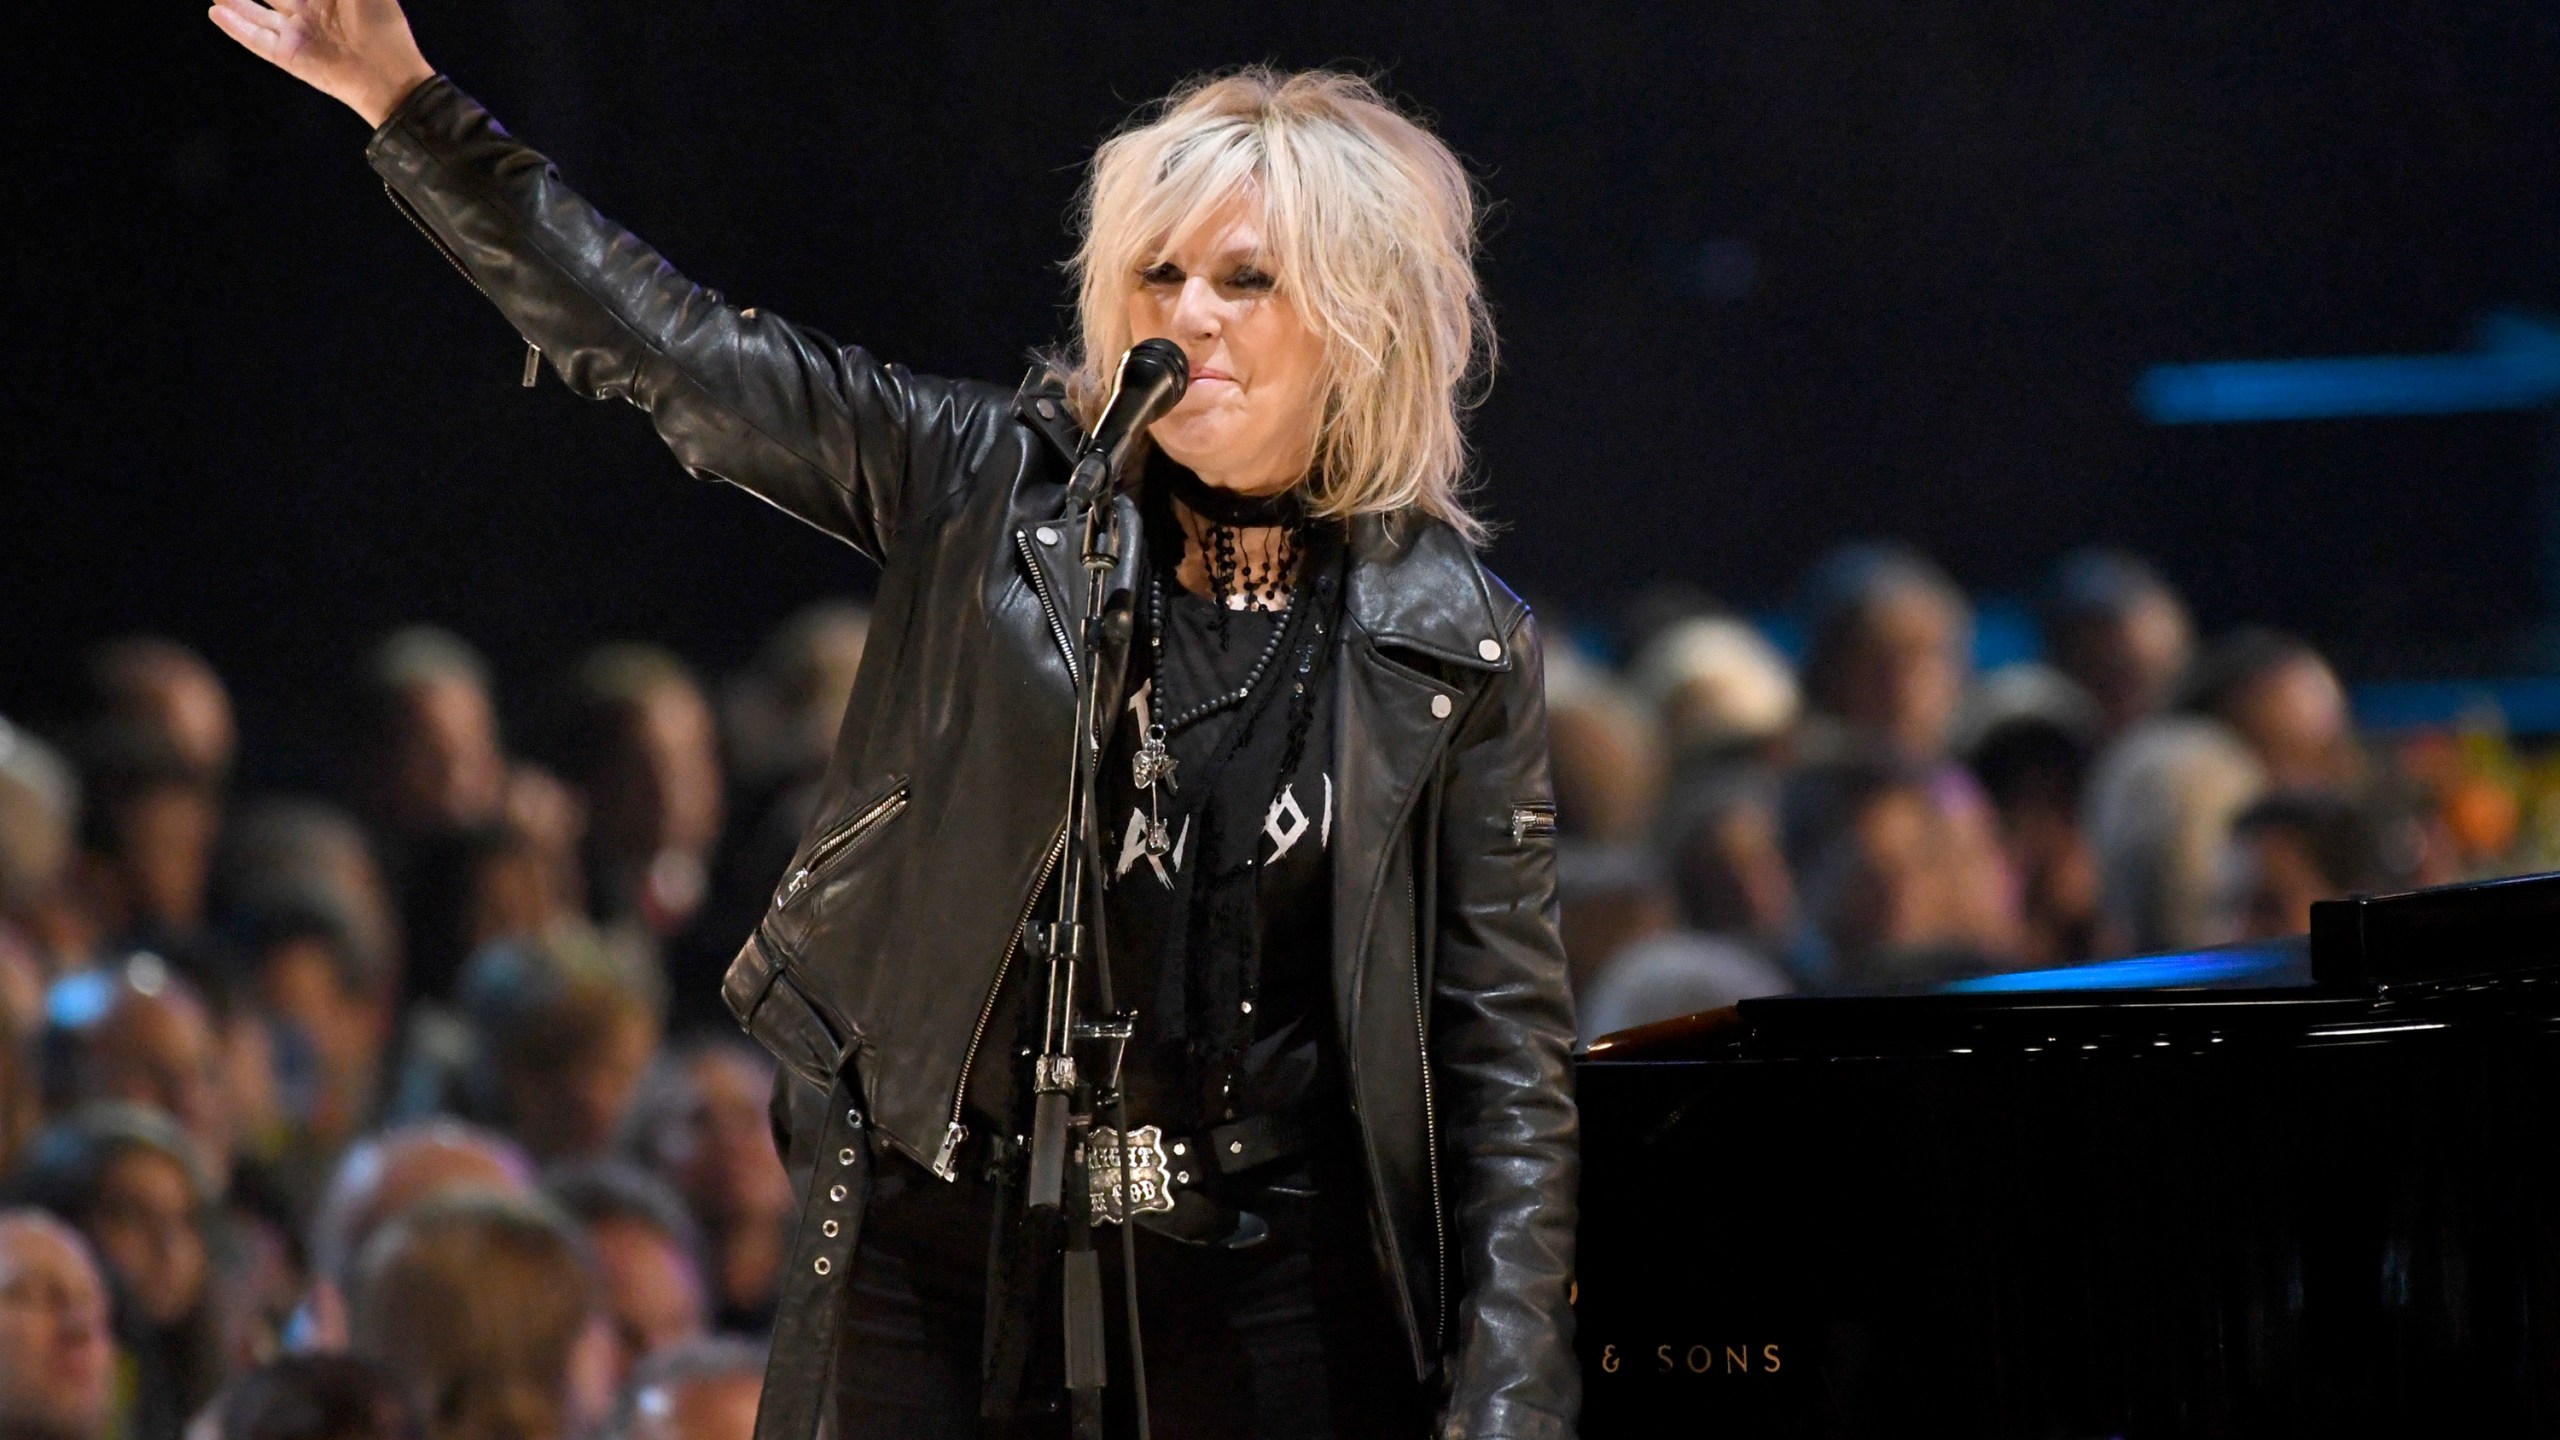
1048,604
1528,820
1430,1134
945,1158
843,835
400,202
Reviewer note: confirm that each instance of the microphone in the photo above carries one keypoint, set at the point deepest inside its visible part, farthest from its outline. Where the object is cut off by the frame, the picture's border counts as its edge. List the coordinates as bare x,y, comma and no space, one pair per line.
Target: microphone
1152,377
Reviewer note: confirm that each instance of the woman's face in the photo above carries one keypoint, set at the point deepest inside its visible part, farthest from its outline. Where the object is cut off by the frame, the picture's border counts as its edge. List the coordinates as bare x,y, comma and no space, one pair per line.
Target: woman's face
144,1223
1248,422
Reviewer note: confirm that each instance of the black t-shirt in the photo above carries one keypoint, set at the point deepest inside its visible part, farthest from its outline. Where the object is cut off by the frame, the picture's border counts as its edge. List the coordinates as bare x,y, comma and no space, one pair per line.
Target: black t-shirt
1261,941
1170,962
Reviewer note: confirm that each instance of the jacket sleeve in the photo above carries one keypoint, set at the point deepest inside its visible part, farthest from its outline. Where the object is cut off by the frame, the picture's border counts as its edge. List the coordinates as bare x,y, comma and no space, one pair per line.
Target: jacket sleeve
1501,1055
820,430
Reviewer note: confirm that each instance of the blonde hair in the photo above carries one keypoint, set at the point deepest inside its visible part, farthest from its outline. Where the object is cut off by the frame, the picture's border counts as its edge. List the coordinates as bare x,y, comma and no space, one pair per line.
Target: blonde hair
475,1303
1370,223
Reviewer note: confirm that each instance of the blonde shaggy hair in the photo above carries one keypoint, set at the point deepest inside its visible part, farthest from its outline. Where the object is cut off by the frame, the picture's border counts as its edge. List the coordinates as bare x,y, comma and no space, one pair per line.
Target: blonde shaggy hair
1371,224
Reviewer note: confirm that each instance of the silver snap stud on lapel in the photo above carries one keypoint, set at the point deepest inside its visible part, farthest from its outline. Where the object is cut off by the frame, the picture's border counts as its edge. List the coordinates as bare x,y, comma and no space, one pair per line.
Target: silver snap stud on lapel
1440,707
836,1194
853,1117
1045,535
1047,410
830,1227
1489,649
824,1265
845,1156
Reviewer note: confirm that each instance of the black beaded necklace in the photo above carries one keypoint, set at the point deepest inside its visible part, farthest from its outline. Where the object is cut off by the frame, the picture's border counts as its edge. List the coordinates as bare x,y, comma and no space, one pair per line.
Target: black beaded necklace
1225,512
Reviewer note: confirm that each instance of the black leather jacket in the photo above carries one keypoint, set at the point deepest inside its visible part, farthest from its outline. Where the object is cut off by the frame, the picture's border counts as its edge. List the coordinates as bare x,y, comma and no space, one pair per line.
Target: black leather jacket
877,964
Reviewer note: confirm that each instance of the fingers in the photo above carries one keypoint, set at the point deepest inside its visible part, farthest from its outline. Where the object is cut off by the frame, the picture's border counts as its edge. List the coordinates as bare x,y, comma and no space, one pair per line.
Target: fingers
247,32
251,24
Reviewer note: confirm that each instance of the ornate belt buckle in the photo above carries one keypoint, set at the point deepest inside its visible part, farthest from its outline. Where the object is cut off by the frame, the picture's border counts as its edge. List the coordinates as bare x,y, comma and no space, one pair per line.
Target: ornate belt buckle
1150,1174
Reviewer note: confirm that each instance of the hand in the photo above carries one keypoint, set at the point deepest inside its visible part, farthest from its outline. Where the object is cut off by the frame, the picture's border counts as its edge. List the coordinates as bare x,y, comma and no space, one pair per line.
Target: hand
358,52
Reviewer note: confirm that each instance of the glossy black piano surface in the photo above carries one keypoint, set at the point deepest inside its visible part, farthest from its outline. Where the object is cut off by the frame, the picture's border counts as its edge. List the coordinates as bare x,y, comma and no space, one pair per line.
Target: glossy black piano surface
2291,1190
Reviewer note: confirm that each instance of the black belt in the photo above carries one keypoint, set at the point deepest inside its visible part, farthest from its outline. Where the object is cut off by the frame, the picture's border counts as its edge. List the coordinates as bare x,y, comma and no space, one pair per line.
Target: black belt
820,1274
1184,1173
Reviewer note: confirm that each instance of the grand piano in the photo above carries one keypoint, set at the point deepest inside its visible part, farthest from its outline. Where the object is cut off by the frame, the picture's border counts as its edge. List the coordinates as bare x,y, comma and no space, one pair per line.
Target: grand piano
2298,1189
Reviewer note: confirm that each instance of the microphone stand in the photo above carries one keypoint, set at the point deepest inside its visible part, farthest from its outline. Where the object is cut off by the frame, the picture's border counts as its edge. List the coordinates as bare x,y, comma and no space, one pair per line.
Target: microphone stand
1065,1100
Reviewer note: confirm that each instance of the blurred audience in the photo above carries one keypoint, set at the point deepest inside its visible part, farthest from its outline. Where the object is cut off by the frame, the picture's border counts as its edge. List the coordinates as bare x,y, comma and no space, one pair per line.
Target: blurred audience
2116,629
702,1125
485,1310
286,1069
700,1390
57,1356
314,1397
648,1254
563,1032
133,1184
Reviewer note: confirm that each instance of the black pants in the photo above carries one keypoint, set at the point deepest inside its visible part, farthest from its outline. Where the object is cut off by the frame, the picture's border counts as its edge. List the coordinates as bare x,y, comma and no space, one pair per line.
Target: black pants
1289,1339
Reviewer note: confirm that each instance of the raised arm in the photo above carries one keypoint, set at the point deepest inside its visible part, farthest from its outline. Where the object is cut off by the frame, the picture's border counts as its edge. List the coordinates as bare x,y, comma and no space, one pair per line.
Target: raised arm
823,431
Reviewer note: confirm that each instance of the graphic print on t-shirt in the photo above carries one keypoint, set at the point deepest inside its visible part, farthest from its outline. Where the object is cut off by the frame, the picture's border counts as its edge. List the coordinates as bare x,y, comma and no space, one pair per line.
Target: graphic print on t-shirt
1284,826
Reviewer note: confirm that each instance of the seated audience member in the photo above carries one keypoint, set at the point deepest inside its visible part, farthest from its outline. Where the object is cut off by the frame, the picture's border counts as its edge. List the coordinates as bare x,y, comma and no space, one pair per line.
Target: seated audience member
1893,885
130,1181
2029,738
315,1397
485,1311
44,930
1727,860
2290,850
648,1254
1889,648
147,836
1718,690
39,805
433,761
137,1033
57,1357
430,767
1604,753
304,854
2117,629
383,1178
328,1015
703,1124
564,1031
2158,812
162,689
481,885
2285,704
641,746
700,1390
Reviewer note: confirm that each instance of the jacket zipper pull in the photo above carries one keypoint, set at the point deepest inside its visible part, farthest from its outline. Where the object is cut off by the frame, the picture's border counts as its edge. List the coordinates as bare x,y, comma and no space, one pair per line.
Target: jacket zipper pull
532,363
946,1159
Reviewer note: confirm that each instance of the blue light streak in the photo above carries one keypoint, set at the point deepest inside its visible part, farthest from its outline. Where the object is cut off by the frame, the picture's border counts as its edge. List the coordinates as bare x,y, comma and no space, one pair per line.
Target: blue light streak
2515,366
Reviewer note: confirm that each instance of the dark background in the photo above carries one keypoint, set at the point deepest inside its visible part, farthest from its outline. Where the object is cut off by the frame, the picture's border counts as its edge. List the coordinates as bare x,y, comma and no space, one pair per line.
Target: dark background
1769,275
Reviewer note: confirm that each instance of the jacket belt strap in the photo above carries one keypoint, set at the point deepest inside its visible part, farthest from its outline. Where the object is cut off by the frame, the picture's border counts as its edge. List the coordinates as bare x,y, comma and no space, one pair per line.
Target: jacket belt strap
820,1274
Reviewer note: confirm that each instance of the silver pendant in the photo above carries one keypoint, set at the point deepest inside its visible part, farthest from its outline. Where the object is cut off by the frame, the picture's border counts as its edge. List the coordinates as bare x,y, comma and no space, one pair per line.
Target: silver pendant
1152,763
1158,842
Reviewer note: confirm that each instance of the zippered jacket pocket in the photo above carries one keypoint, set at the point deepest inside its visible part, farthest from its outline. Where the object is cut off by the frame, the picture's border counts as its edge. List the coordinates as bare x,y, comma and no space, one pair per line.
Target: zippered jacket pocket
833,848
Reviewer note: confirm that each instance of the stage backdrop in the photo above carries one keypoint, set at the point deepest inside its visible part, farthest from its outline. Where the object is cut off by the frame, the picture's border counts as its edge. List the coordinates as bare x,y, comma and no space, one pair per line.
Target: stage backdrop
1769,275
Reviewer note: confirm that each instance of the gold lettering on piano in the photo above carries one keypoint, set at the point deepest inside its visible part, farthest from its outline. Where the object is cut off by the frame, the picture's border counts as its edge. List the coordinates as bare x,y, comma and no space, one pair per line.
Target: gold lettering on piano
1701,1358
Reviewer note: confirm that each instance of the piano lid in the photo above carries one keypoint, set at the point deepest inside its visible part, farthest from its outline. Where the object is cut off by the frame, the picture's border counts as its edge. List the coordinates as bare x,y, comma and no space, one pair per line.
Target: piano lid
2364,952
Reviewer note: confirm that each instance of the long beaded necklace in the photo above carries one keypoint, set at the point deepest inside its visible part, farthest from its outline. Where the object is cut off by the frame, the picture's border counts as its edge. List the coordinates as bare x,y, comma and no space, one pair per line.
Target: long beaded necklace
1153,763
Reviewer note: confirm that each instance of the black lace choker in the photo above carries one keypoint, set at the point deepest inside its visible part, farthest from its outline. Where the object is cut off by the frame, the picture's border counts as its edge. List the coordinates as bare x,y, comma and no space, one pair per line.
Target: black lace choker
1225,507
